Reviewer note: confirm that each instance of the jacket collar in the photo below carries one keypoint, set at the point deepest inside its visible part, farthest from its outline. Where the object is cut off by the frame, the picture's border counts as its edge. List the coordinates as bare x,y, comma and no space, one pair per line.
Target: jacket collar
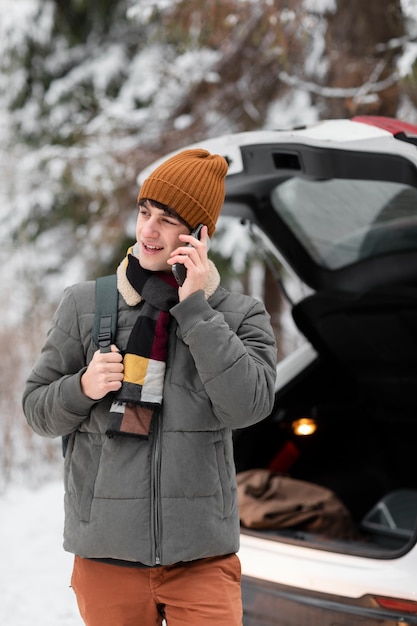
132,297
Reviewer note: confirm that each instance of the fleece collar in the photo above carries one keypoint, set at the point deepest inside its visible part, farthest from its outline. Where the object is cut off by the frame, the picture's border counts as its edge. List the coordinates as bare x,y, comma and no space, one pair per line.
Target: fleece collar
132,297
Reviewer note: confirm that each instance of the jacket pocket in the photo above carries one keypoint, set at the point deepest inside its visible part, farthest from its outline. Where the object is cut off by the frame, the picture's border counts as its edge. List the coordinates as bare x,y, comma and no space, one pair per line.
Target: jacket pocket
225,479
87,492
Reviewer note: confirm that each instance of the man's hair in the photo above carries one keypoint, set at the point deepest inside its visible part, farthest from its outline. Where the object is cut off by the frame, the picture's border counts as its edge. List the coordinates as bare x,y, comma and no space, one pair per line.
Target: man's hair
166,209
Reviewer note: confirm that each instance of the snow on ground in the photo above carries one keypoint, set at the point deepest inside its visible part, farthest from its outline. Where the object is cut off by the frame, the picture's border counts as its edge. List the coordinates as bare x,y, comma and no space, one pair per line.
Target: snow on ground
35,571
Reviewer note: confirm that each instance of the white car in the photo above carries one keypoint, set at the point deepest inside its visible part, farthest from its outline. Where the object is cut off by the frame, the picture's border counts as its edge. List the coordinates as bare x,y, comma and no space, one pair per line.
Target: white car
336,203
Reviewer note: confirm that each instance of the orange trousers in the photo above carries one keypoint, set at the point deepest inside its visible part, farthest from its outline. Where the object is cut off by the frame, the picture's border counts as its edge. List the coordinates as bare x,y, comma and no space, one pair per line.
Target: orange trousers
199,593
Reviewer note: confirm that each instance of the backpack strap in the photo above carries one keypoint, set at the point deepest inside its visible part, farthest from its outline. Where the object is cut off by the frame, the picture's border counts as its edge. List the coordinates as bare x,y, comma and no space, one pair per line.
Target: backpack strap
105,320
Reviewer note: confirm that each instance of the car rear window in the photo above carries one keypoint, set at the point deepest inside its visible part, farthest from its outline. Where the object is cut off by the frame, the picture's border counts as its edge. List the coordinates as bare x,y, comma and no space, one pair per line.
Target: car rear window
340,222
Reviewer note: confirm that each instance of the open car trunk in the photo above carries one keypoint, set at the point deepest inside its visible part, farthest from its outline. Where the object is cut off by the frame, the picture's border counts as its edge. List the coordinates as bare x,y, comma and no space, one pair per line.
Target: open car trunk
346,222
360,392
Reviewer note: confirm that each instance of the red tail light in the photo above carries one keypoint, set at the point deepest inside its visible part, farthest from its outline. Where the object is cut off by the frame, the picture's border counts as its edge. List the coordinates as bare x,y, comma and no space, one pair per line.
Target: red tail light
396,604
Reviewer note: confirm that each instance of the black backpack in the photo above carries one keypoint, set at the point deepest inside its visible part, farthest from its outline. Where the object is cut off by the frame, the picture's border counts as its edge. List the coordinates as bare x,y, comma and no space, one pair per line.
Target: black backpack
105,321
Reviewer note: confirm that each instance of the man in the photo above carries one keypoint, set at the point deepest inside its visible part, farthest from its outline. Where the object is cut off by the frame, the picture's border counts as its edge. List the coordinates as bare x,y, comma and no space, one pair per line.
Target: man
150,494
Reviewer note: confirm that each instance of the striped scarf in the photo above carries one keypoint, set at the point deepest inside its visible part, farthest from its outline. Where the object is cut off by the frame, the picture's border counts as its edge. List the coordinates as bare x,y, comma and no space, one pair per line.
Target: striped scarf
145,357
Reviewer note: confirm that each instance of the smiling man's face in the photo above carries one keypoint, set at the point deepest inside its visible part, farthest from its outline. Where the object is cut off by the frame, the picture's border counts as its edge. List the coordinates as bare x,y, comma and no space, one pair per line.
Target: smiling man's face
157,234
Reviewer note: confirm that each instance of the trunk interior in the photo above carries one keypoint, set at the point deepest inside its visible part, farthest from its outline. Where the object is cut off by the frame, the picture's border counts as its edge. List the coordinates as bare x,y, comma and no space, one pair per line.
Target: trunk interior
361,394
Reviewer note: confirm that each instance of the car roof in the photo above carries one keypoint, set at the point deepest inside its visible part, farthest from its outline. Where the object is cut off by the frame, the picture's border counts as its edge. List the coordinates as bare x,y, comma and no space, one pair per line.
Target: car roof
338,198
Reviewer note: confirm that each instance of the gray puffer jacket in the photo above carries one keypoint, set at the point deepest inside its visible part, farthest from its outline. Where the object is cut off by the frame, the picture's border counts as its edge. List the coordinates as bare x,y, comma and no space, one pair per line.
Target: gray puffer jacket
173,497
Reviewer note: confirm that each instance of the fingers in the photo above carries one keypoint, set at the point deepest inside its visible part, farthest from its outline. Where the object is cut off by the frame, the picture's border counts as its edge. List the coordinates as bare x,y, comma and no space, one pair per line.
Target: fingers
103,374
194,258
114,354
198,235
193,252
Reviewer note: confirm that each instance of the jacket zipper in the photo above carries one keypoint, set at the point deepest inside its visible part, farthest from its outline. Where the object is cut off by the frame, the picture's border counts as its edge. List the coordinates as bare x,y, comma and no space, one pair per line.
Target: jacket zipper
156,489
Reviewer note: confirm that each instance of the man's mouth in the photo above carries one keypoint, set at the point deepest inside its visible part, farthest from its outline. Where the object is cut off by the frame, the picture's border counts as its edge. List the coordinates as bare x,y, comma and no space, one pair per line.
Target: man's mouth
150,248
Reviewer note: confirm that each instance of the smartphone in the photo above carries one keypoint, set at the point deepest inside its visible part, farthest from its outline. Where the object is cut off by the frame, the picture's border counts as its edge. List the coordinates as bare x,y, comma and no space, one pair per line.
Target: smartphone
178,269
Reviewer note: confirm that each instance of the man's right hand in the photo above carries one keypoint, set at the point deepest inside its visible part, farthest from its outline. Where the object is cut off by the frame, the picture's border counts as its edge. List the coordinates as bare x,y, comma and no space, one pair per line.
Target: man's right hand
103,374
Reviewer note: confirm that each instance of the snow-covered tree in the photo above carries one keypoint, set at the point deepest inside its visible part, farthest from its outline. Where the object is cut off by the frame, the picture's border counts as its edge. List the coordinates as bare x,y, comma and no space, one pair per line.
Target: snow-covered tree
91,91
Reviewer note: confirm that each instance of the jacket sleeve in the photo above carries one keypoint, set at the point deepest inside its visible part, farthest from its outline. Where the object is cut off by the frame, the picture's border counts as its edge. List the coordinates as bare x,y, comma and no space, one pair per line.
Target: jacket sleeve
53,402
237,368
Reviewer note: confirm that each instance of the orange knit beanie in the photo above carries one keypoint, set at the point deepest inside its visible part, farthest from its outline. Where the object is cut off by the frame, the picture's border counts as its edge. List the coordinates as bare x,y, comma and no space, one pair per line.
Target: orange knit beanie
192,184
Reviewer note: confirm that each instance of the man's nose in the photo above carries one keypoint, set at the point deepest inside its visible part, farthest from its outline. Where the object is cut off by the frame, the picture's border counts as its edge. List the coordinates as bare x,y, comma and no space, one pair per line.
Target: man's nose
150,229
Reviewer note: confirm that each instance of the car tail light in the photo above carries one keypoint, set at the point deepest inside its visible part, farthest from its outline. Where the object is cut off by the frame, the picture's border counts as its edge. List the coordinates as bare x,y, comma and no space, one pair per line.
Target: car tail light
396,604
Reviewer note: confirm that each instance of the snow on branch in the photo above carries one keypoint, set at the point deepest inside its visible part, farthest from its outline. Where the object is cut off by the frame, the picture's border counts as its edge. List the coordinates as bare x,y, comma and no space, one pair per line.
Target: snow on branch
339,92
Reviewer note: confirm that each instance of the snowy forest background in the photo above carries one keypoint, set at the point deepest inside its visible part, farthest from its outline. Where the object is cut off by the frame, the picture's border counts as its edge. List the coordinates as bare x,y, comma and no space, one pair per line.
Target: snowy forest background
92,91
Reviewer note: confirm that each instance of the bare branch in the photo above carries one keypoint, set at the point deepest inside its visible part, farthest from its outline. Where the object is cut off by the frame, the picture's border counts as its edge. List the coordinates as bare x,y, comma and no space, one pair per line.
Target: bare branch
339,92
